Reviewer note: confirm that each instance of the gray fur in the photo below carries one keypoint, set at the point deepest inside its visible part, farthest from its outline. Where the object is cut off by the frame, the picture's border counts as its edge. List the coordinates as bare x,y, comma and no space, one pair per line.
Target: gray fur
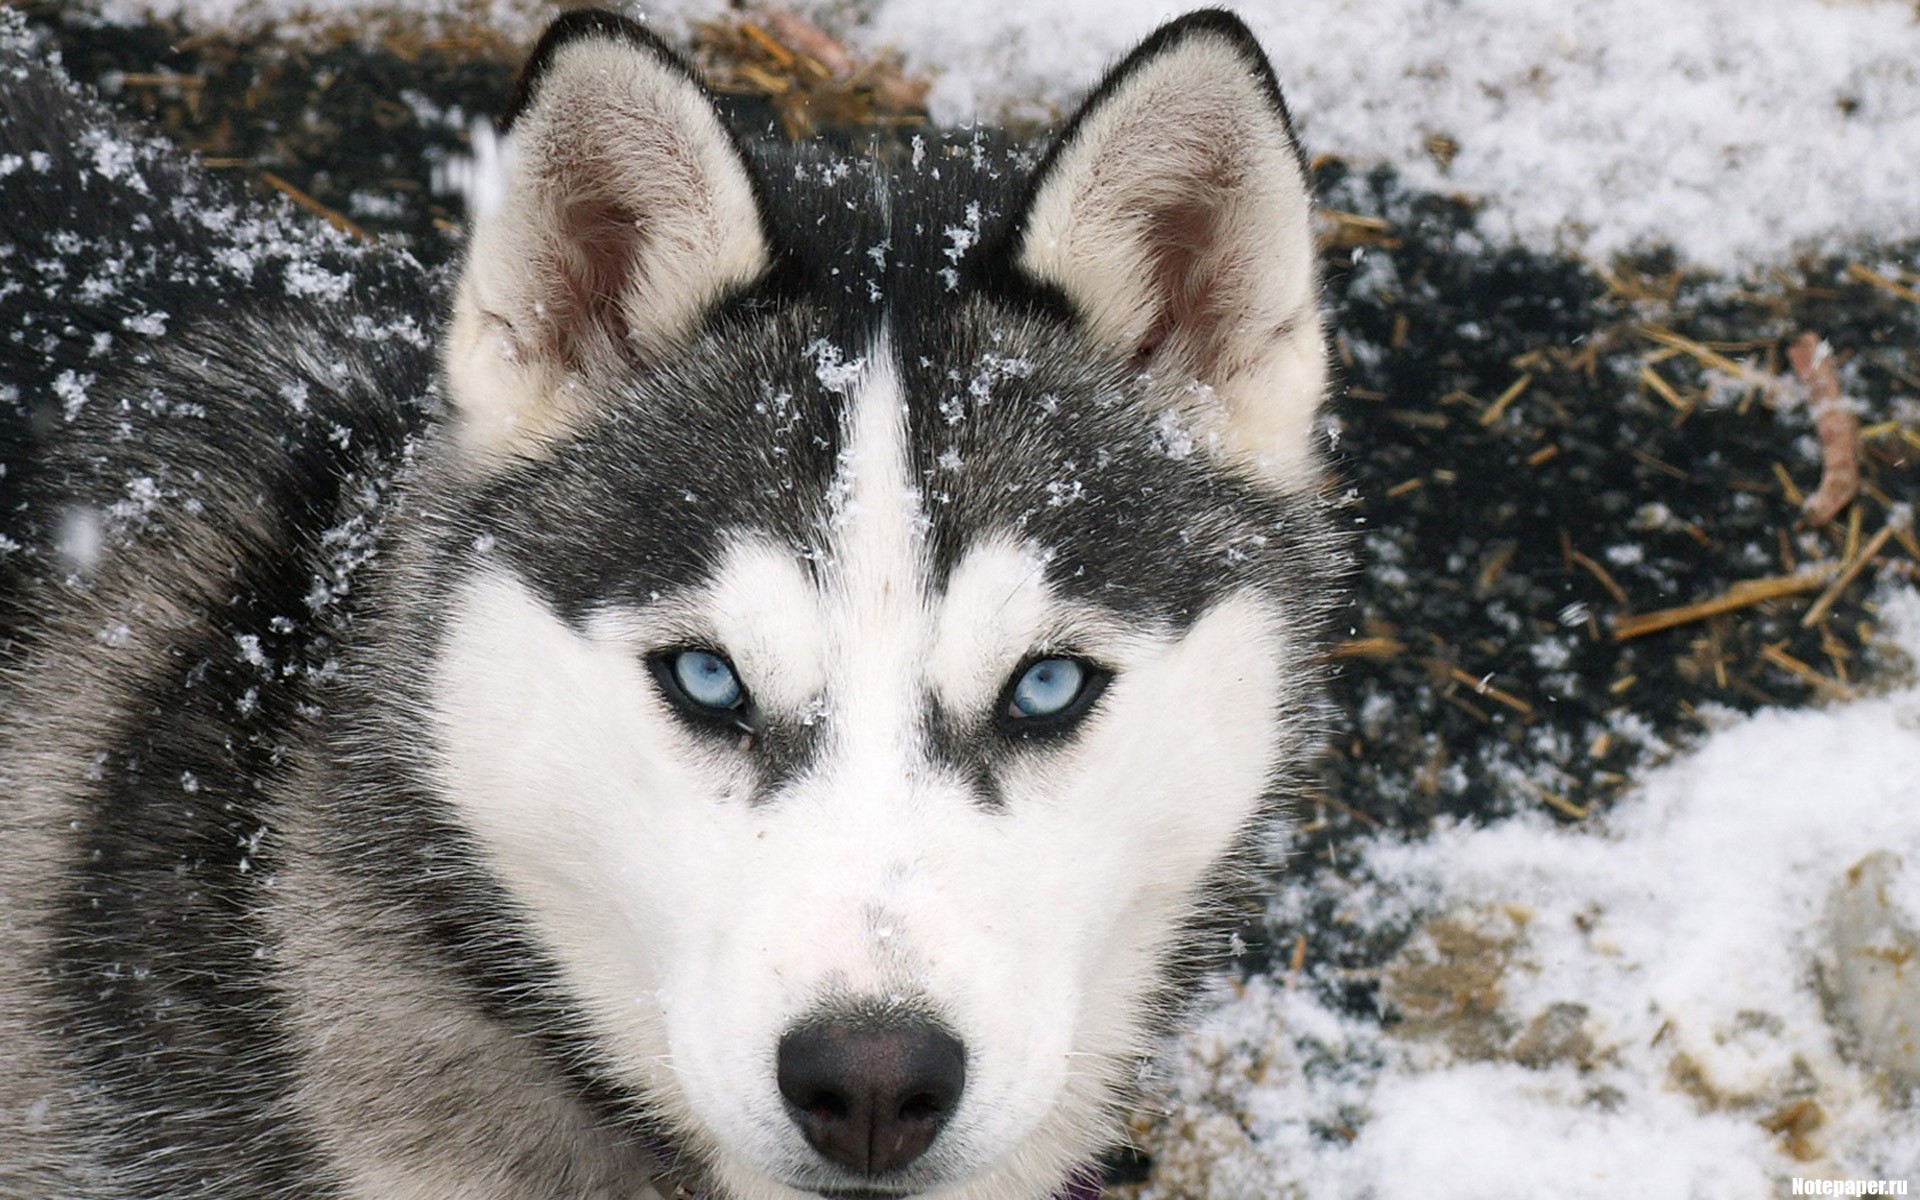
248,946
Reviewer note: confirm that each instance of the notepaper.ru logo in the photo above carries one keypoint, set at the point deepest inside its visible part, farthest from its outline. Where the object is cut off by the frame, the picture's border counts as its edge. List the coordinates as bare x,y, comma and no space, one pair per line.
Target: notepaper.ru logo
1849,1187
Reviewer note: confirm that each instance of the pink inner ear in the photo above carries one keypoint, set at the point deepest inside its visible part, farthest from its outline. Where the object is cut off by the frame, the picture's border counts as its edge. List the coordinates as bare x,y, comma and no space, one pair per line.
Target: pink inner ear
1191,283
597,261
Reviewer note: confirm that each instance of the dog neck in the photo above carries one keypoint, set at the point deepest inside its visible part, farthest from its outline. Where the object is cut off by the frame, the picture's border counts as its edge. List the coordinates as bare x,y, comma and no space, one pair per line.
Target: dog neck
1083,1184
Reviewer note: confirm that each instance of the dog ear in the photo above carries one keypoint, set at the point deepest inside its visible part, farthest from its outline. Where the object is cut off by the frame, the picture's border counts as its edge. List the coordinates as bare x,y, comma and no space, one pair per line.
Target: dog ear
628,210
1173,212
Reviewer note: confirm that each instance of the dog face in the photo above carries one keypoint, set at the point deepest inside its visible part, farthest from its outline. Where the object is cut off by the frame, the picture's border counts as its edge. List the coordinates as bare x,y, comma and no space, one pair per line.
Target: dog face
881,605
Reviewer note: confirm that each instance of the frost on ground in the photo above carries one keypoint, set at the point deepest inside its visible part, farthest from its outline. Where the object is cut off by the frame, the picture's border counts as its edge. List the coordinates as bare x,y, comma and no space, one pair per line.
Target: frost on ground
1740,132
1659,1004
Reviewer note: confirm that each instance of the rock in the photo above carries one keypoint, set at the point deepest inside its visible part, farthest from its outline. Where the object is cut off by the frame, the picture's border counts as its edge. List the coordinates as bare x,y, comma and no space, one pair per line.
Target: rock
1446,983
1557,1035
1870,971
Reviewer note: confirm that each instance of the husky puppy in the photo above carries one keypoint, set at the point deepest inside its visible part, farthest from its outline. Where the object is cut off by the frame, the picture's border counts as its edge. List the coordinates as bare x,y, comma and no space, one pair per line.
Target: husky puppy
766,685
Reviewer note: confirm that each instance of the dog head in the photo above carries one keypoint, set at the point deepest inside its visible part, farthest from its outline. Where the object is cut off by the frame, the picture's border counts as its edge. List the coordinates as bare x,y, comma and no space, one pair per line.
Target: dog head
878,602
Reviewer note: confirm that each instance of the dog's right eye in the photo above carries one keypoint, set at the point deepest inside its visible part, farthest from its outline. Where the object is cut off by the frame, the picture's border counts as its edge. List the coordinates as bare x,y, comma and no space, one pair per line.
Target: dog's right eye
1050,695
704,684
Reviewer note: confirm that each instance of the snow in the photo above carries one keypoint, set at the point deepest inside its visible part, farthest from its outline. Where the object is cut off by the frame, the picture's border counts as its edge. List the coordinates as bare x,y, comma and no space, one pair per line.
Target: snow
1741,133
1738,131
836,373
1675,949
514,17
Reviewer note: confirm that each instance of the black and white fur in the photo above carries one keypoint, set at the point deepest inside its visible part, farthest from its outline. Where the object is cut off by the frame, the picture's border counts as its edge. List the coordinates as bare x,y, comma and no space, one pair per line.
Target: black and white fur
354,840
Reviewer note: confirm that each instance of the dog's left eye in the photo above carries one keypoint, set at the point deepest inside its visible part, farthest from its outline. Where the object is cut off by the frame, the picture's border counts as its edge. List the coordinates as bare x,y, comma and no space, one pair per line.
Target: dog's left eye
704,684
707,679
1048,694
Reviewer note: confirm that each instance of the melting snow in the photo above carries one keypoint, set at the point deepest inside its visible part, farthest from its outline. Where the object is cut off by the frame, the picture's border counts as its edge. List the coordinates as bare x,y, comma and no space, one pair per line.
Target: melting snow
960,239
1585,1012
71,387
836,373
1739,131
307,279
152,324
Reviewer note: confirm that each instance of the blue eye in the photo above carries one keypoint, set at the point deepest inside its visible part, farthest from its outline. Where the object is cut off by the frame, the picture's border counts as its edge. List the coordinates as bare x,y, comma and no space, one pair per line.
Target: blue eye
707,680
1047,688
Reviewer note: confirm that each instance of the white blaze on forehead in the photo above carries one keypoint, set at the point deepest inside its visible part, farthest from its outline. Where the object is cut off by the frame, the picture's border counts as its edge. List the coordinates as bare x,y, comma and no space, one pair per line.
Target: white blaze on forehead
876,579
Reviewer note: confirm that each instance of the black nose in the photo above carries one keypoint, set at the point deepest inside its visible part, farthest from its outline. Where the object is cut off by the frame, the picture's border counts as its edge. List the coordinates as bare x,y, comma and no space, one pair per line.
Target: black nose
871,1098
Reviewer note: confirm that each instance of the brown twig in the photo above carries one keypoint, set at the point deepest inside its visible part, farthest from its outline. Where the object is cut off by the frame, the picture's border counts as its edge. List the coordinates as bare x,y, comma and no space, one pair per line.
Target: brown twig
804,36
1343,229
1778,656
1739,596
1876,279
1833,420
1484,687
1561,804
1660,387
1498,408
1855,565
337,220
811,78
1704,355
1365,647
1600,574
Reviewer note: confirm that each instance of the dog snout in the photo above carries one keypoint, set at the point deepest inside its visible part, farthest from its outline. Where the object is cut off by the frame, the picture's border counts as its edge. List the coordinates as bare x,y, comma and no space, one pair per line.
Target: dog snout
871,1098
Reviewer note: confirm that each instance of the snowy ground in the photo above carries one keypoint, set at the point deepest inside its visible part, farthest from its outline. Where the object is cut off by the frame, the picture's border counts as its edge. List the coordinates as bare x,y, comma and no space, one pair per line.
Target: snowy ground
1738,130
1637,1006
1646,1003
1734,128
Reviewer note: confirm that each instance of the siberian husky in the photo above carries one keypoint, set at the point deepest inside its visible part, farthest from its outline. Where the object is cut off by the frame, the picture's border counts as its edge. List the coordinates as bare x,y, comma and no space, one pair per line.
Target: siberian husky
765,686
